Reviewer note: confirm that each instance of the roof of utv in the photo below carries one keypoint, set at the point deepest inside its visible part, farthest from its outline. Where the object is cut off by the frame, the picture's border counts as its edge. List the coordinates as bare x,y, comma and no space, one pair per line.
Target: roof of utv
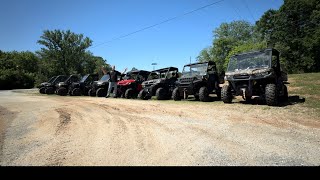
138,71
166,69
209,62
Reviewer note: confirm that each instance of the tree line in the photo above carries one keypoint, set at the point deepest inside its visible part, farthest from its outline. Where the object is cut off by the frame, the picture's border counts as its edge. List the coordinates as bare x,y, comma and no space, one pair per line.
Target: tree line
63,52
294,30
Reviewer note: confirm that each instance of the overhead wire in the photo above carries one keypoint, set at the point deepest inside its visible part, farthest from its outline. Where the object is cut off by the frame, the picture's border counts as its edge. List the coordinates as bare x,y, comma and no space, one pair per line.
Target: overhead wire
157,24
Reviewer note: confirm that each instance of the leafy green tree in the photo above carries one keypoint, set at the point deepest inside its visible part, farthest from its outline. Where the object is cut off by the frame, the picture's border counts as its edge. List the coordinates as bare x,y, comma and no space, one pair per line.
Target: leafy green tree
64,51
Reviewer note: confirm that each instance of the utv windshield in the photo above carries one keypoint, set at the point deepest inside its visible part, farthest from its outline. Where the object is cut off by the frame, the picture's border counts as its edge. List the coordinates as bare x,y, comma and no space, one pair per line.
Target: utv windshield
256,60
195,70
84,78
105,77
51,79
153,75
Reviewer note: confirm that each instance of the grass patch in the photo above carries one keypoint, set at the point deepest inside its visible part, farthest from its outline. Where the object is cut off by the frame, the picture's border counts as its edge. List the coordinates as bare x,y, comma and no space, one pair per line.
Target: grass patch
308,86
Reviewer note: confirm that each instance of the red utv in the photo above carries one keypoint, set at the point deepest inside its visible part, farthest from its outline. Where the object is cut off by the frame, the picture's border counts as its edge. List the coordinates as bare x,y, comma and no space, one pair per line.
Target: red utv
131,85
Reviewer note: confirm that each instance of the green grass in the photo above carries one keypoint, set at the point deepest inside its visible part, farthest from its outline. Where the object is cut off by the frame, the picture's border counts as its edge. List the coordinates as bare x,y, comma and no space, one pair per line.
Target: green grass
306,86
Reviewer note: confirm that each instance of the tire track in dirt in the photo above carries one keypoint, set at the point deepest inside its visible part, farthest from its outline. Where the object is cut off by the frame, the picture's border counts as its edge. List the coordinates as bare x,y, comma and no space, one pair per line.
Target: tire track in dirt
63,138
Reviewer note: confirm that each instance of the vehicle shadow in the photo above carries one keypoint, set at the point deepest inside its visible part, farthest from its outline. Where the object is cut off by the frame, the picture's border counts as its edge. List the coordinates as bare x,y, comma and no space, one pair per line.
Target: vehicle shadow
292,100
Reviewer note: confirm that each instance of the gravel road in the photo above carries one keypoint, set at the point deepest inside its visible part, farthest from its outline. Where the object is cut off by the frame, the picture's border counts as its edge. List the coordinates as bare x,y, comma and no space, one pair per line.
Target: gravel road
49,130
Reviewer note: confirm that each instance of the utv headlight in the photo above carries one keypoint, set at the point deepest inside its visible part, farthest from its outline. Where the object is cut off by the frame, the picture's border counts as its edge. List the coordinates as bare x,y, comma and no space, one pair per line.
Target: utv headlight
262,73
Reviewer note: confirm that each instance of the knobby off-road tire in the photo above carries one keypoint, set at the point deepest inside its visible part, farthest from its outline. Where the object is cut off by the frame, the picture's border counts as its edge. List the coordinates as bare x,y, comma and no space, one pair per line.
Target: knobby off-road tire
101,92
226,95
49,90
129,93
161,94
176,95
271,95
62,91
91,93
142,95
204,94
76,92
42,90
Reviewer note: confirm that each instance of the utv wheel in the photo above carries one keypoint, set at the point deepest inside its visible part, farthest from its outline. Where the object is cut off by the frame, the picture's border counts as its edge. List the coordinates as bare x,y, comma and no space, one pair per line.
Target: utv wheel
176,94
226,95
204,94
101,92
142,95
62,91
42,90
76,92
161,94
129,93
271,95
49,91
91,92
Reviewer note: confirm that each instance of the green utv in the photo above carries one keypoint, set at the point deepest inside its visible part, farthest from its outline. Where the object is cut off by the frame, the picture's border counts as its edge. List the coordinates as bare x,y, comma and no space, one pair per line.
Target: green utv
160,83
198,79
256,73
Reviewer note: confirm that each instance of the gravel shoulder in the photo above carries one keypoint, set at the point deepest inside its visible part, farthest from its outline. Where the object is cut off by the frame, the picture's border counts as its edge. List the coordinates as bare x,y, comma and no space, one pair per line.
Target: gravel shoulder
49,130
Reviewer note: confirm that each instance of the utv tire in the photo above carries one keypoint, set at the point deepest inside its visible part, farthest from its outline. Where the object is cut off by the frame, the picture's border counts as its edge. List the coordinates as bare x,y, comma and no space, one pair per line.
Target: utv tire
204,94
76,92
226,95
129,93
271,95
49,91
176,95
62,91
101,92
142,95
42,90
91,93
161,94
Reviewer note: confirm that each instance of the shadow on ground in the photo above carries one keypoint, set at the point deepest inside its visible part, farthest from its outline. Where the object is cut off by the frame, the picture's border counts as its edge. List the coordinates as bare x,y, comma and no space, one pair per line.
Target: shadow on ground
292,100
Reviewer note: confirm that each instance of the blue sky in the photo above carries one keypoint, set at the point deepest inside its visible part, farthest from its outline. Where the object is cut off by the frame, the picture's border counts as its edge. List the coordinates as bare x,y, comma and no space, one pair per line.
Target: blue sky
169,44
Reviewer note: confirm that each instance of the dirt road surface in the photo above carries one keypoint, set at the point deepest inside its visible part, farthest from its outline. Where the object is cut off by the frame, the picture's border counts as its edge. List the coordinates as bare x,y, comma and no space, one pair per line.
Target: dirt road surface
51,130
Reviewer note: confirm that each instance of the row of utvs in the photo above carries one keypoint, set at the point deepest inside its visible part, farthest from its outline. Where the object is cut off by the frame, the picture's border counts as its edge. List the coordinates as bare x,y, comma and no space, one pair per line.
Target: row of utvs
256,73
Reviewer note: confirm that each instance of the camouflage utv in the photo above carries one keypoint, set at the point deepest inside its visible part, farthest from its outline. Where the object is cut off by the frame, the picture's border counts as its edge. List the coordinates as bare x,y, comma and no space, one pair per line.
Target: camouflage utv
256,73
198,79
160,83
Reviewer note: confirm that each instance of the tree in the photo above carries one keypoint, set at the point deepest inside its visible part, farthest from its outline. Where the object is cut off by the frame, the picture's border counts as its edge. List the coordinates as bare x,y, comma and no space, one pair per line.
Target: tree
226,37
64,51
134,69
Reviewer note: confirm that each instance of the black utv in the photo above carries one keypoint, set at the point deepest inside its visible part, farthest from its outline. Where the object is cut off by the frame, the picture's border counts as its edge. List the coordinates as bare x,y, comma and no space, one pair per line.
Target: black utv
82,87
160,83
256,73
50,88
130,86
198,79
62,88
42,86
100,88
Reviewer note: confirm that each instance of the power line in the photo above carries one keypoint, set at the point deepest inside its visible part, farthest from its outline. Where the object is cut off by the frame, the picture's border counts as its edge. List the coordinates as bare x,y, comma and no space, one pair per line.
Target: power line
236,10
157,24
245,3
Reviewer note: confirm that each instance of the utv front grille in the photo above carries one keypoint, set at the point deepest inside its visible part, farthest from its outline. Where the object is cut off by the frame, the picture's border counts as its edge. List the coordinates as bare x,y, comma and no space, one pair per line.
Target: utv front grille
241,76
186,80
